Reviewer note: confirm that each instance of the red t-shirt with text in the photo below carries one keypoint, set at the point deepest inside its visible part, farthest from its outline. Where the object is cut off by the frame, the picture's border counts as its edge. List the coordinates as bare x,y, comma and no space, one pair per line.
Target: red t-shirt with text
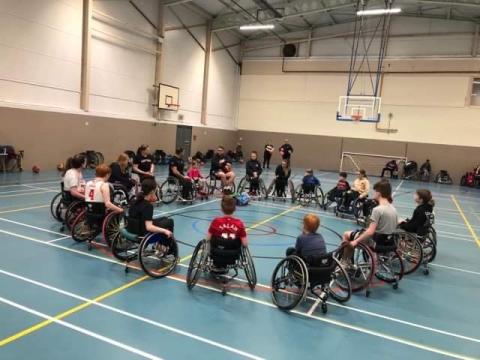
227,227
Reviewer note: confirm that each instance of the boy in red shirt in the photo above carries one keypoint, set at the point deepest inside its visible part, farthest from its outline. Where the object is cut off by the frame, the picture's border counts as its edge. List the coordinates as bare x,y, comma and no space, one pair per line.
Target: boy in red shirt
228,227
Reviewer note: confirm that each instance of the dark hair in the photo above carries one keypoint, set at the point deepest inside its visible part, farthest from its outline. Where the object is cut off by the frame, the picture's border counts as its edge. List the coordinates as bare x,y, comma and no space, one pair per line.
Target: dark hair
362,172
343,174
141,148
178,151
148,185
426,196
74,162
229,205
385,189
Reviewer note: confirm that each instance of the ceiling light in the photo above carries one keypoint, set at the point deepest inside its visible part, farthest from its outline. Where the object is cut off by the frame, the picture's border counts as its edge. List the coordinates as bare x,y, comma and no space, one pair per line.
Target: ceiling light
257,27
378,11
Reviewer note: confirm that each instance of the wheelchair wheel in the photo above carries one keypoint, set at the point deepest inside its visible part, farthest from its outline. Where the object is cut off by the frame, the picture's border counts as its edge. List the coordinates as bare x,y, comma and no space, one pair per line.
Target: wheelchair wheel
389,267
156,260
358,208
289,283
196,265
73,210
361,267
429,250
291,188
340,287
249,268
124,249
410,249
81,230
243,185
271,189
111,227
263,189
319,196
100,157
169,190
120,197
55,207
300,196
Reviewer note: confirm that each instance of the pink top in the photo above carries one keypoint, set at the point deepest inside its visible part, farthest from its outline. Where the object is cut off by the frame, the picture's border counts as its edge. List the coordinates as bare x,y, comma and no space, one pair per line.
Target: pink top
194,173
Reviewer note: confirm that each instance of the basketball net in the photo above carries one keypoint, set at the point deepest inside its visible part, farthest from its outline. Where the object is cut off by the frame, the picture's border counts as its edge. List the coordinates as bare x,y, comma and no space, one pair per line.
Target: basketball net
356,118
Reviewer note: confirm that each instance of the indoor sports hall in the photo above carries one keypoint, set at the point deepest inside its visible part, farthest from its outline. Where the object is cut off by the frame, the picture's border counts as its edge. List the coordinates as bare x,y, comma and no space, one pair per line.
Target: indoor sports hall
239,179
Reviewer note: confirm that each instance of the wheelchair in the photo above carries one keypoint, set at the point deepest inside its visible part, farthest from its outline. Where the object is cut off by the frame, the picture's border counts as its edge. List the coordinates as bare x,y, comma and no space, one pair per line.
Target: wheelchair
172,189
308,194
219,258
355,206
410,250
157,255
427,238
65,208
383,261
215,186
324,276
245,186
283,195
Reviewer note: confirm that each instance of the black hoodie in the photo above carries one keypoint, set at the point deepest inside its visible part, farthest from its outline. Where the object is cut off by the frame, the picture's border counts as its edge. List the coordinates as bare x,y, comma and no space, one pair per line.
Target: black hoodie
419,218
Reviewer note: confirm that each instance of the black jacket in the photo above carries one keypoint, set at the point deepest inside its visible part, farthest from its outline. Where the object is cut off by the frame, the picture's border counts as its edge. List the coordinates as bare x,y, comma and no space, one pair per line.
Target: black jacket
253,166
419,218
281,174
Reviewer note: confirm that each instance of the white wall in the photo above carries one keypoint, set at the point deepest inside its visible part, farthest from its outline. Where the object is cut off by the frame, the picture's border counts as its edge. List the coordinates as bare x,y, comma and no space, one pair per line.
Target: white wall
40,55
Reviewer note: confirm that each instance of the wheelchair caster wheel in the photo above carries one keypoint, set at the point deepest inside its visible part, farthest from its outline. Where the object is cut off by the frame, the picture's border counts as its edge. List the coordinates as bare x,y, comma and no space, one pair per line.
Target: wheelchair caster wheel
224,292
367,294
395,286
324,308
426,272
127,269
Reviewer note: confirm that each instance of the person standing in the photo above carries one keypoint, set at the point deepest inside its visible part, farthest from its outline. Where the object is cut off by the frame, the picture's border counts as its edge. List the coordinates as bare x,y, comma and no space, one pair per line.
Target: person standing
267,154
286,151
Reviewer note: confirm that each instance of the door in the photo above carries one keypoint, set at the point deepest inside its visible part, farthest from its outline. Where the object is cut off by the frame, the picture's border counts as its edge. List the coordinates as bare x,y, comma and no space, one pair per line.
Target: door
184,140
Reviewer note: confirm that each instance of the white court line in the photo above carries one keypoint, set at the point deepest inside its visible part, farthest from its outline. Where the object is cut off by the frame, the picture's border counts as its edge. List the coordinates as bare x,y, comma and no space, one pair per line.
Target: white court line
30,193
170,277
33,183
397,188
81,330
133,316
313,307
60,238
42,188
455,269
31,226
23,209
22,191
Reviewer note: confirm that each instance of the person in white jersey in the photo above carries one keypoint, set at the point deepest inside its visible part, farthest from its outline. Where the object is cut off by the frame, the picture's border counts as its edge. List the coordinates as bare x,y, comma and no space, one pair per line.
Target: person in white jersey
98,189
73,182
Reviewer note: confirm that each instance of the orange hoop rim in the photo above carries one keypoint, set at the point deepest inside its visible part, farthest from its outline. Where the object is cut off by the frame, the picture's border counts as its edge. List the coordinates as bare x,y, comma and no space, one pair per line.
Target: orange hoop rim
356,117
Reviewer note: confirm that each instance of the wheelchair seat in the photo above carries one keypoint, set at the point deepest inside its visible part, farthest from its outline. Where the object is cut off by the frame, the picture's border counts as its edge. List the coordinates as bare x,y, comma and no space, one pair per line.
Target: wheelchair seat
384,243
95,213
225,252
67,197
320,269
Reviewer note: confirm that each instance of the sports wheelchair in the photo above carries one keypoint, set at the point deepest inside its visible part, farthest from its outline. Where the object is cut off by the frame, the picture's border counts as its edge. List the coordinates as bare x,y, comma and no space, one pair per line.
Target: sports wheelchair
245,186
382,261
219,257
158,256
443,177
65,208
308,194
215,186
281,194
324,276
172,189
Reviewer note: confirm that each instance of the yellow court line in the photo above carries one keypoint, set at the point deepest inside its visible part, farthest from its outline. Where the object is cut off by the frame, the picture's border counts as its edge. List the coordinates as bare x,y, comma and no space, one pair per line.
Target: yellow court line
110,293
469,226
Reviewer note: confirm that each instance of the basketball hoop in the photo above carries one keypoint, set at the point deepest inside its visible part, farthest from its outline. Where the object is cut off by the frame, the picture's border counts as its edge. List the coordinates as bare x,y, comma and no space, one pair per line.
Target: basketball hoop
356,118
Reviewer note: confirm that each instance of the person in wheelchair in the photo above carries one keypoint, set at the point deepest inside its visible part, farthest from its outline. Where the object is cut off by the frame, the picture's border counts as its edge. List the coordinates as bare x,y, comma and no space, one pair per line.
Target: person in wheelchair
176,168
197,178
226,229
309,182
140,216
360,190
97,194
221,168
120,174
282,174
309,244
73,182
254,170
391,167
422,213
339,190
143,163
383,223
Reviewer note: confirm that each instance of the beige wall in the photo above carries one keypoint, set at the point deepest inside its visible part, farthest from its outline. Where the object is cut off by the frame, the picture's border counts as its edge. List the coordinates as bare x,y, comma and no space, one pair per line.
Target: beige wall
49,138
425,108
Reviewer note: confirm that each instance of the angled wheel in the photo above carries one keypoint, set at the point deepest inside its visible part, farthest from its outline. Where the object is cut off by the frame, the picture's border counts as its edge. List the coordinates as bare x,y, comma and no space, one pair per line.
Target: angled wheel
263,189
169,190
55,207
291,188
111,227
120,197
81,230
319,196
340,287
73,210
289,283
156,259
249,268
243,185
358,209
100,157
360,268
271,188
197,263
429,249
389,267
411,251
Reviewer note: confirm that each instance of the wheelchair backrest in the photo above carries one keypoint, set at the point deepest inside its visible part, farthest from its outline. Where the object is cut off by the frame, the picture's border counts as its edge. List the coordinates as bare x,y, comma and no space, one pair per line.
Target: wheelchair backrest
320,269
384,243
135,226
225,251
66,195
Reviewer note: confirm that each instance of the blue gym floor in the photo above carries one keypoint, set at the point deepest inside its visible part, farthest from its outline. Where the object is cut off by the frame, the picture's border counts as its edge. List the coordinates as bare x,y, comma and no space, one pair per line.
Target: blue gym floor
60,301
